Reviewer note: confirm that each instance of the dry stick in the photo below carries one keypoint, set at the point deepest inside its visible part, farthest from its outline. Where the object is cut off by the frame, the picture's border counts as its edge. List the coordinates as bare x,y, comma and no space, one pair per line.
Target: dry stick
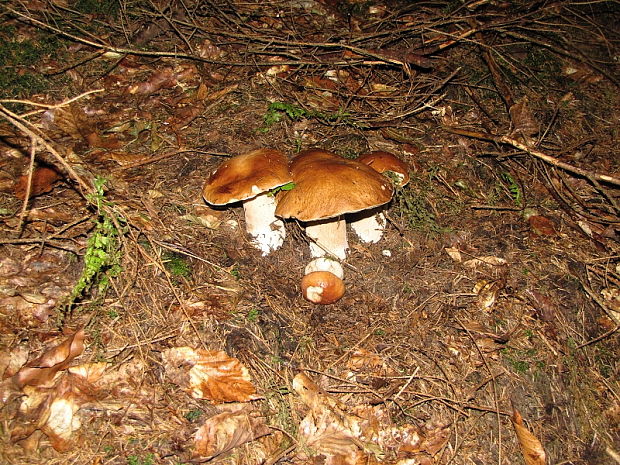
381,59
47,106
494,391
560,51
279,455
34,133
22,215
502,88
535,153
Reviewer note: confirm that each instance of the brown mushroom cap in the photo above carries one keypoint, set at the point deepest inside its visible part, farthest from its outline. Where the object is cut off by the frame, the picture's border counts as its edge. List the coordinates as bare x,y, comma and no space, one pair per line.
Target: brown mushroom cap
245,176
327,186
381,162
322,287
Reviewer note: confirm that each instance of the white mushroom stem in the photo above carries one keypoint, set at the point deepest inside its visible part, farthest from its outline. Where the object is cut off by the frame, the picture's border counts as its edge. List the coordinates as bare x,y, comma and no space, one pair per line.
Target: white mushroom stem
371,225
328,237
261,223
325,264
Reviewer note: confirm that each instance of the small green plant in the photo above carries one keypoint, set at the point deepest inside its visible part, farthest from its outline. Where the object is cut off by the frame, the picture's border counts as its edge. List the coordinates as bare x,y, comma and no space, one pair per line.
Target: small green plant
103,251
194,414
176,265
112,314
235,273
253,315
277,111
286,187
149,459
515,190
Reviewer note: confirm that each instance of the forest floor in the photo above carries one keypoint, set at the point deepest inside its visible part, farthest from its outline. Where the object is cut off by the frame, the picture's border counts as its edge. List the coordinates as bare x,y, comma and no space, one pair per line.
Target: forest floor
139,325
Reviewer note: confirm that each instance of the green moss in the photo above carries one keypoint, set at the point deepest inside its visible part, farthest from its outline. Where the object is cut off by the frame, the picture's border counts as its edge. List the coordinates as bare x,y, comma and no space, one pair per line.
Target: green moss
278,111
97,7
412,205
20,59
103,252
176,264
253,315
193,415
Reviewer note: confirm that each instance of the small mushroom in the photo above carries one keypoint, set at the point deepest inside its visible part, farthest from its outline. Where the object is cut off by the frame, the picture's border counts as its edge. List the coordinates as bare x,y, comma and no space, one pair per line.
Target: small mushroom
369,225
322,287
248,178
326,188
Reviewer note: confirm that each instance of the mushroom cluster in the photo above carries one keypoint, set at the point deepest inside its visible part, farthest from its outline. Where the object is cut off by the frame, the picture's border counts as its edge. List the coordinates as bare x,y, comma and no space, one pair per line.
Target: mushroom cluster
326,188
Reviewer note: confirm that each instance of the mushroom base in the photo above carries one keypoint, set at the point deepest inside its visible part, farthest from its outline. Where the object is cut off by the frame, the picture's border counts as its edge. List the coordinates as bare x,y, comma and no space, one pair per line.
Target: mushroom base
369,225
267,231
329,237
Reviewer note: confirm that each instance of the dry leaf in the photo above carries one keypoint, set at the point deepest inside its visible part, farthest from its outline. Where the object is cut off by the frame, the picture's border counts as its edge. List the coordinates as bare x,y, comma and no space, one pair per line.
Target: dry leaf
43,180
69,119
209,375
488,260
454,253
532,449
163,78
53,410
523,121
541,225
323,430
546,308
43,369
225,431
362,359
487,292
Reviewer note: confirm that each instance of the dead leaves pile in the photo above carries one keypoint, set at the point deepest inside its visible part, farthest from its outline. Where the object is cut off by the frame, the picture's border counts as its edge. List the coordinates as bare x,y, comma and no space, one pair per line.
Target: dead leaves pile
363,434
45,396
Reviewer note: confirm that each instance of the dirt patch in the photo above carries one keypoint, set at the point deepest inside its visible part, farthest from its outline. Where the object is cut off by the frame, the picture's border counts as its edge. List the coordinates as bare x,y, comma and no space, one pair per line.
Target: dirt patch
494,288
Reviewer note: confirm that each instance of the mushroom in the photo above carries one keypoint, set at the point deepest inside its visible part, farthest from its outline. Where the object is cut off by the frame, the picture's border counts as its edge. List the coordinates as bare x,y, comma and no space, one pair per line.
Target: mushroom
322,287
327,187
369,225
248,178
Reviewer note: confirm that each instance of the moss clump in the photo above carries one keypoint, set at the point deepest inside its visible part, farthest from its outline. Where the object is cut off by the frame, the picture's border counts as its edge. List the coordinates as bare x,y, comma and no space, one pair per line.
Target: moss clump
19,60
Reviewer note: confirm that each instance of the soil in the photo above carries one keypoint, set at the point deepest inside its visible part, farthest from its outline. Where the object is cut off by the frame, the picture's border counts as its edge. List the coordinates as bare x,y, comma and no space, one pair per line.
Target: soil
494,289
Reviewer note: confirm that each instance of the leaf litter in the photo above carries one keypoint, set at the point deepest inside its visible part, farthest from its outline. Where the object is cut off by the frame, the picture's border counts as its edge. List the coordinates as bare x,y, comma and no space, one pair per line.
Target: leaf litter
480,305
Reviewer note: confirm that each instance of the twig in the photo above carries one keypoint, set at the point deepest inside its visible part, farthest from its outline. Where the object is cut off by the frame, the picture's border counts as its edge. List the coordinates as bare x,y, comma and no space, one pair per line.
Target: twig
22,214
493,390
276,458
36,135
599,338
535,153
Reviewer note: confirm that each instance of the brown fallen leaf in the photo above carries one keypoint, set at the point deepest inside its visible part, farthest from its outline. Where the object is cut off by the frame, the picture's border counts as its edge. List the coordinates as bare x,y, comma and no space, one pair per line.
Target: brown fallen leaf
532,449
487,292
223,432
333,434
488,260
362,359
541,225
53,410
42,370
545,307
43,180
163,78
209,375
523,121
